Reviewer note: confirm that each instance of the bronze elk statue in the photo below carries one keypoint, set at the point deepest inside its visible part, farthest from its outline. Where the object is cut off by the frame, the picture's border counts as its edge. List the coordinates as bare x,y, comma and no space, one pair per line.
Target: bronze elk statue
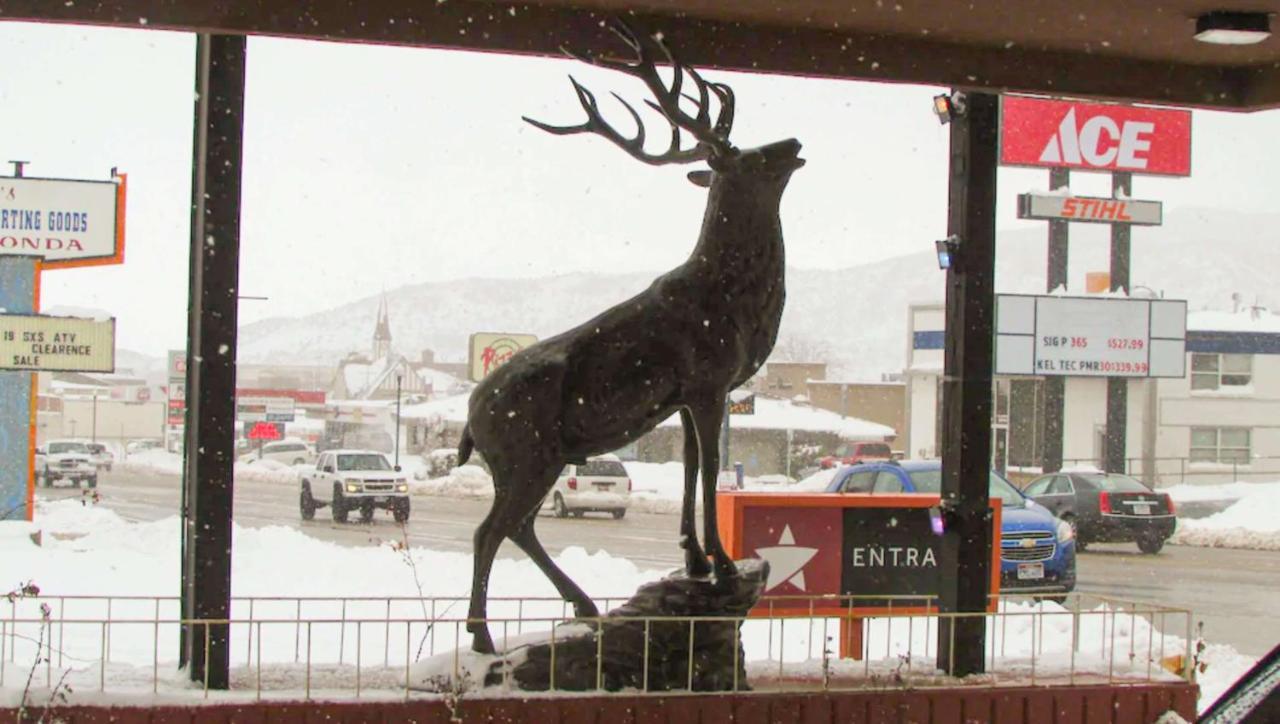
699,331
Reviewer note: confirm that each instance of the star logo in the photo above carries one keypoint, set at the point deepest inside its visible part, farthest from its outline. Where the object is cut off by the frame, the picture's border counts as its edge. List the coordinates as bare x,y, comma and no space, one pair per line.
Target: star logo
786,561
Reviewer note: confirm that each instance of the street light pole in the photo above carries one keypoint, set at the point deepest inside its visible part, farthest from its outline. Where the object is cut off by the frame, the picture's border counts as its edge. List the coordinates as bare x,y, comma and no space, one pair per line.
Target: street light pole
397,420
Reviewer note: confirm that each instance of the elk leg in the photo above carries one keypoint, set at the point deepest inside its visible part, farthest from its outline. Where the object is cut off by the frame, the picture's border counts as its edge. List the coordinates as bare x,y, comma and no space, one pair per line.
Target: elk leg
707,419
487,541
528,541
695,561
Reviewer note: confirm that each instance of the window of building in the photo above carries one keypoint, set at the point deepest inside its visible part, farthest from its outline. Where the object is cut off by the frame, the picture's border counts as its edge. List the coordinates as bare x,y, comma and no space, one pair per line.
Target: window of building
1218,371
1220,445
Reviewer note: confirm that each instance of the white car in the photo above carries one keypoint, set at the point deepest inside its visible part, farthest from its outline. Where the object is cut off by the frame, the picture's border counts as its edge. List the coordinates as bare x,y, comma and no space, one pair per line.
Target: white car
602,484
102,457
65,460
289,452
347,480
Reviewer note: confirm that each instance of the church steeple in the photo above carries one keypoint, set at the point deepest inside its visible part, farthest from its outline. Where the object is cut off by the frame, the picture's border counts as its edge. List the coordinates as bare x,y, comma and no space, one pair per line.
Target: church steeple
382,332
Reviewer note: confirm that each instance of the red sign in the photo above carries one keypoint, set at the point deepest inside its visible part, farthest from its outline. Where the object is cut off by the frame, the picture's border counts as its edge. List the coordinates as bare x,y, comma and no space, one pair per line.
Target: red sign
1094,136
802,546
302,397
264,431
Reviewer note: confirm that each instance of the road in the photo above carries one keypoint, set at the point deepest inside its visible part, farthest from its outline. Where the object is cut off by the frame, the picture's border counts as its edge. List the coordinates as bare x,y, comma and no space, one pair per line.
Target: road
1234,592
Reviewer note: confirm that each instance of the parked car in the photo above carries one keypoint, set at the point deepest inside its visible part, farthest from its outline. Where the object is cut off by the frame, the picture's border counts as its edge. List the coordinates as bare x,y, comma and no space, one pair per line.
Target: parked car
65,460
1037,550
361,480
101,456
289,452
852,453
1107,507
601,484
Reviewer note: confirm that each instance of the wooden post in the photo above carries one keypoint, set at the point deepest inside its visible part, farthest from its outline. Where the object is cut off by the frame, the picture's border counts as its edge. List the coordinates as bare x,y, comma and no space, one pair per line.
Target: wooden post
211,354
964,560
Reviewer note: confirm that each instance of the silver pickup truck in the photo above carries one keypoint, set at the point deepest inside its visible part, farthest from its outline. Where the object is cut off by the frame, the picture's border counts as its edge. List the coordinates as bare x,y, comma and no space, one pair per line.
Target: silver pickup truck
65,460
354,480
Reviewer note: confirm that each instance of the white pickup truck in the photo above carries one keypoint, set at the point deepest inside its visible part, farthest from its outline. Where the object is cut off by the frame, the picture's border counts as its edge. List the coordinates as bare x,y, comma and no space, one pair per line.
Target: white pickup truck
65,460
347,480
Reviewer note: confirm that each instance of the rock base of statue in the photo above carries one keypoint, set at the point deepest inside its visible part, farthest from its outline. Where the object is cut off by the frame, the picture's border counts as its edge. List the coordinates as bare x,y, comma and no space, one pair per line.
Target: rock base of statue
632,650
631,647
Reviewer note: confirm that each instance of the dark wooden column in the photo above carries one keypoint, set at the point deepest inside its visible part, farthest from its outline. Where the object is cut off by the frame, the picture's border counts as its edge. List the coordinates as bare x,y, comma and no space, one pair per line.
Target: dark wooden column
964,560
211,355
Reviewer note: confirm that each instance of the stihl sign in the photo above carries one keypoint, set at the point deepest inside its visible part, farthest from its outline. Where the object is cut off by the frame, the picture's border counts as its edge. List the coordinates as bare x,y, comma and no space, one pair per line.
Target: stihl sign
1094,136
1088,208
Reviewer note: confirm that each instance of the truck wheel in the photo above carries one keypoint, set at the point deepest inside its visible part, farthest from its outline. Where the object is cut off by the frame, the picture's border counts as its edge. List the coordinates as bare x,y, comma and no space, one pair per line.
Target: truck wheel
401,511
307,504
93,482
339,507
617,514
561,510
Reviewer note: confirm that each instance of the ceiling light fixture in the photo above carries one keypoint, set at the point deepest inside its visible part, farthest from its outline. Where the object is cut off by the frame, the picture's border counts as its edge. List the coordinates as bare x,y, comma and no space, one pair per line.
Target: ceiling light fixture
1233,28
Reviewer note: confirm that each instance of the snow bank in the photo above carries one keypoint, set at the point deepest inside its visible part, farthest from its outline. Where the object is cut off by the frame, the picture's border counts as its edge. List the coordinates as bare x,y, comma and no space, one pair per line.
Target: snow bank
1250,523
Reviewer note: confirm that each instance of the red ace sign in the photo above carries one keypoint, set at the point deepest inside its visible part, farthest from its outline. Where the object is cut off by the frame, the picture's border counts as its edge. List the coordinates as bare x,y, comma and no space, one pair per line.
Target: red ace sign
1095,136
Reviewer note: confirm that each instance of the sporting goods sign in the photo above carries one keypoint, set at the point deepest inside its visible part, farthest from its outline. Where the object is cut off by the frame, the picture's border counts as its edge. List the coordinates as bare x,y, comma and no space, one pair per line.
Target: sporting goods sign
1094,136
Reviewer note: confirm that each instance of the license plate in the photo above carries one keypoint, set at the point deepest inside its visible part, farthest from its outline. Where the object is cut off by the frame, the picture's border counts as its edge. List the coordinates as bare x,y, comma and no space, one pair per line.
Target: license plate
1030,571
380,499
1142,509
604,486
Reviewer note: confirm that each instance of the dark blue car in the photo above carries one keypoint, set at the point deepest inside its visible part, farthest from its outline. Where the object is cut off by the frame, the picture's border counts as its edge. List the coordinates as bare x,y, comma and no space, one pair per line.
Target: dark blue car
1037,551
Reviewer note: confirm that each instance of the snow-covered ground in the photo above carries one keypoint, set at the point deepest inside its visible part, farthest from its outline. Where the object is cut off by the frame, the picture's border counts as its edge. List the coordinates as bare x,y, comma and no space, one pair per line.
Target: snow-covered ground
89,550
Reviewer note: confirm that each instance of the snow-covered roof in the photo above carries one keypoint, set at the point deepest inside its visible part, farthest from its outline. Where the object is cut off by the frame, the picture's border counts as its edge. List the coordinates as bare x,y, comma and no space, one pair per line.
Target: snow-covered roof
448,409
364,379
440,381
774,414
1243,321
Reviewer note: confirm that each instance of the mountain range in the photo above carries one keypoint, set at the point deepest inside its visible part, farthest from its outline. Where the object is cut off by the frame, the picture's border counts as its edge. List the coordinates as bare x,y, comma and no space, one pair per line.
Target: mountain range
853,318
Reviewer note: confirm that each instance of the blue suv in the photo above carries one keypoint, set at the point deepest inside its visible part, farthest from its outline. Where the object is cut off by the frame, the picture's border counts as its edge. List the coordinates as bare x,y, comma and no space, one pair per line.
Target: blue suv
1037,551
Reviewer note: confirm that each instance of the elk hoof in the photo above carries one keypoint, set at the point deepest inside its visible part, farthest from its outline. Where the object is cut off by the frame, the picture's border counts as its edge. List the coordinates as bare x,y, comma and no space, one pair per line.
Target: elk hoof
586,609
696,565
481,641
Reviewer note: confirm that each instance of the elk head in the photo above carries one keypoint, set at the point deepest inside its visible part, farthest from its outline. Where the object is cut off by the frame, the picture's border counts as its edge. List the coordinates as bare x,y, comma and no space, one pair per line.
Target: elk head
712,145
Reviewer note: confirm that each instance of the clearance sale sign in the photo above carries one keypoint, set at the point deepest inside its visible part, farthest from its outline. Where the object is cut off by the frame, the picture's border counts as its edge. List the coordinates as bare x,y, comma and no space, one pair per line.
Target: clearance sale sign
1095,136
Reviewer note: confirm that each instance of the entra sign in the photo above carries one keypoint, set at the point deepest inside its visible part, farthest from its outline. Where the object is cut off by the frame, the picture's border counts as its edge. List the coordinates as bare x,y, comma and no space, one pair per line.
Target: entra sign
1095,136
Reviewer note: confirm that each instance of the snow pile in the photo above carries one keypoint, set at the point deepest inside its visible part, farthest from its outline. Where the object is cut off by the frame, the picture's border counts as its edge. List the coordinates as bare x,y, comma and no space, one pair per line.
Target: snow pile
1250,523
154,462
1226,491
163,462
466,481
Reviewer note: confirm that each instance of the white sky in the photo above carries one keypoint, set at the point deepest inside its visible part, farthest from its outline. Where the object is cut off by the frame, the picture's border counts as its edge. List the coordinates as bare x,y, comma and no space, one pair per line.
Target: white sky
370,167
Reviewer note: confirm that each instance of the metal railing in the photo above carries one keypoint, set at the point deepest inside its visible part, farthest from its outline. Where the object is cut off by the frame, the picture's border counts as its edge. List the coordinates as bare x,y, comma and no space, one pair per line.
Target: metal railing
301,648
1166,471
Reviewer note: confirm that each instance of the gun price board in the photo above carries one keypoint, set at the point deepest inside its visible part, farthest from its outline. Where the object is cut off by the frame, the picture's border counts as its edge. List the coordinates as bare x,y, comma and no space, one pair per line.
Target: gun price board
1090,337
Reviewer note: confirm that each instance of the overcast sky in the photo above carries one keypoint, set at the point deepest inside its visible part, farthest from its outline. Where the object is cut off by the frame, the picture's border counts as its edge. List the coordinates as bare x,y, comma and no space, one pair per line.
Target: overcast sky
369,167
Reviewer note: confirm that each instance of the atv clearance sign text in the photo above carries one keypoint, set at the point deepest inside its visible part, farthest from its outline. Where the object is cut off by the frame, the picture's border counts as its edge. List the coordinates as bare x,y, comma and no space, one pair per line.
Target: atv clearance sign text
1095,136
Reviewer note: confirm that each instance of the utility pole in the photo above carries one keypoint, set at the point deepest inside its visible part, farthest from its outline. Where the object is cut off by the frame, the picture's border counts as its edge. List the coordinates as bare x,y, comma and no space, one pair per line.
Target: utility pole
398,420
1118,387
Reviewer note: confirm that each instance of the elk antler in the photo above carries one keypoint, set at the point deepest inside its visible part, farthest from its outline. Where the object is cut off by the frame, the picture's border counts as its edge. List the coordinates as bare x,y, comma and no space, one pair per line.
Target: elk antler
712,140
